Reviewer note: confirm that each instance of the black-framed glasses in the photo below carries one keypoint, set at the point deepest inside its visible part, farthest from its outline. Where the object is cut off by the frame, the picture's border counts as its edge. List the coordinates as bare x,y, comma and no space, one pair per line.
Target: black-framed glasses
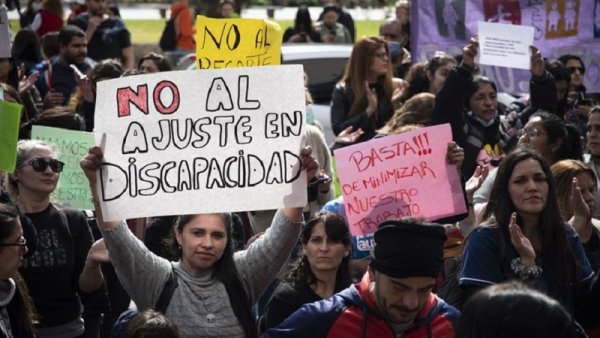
20,242
574,69
40,164
382,55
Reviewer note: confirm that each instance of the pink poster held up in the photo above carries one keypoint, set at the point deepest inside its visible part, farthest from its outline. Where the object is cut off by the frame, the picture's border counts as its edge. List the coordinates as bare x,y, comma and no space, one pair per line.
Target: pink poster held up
397,176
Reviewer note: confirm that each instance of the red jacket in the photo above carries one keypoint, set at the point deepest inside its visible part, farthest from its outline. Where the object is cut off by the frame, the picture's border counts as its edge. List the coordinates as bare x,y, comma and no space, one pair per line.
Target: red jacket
353,313
186,33
50,23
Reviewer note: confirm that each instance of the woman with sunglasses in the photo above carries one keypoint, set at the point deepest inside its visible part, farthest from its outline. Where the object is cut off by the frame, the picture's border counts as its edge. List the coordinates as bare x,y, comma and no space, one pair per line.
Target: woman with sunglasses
367,95
59,270
17,313
321,271
577,70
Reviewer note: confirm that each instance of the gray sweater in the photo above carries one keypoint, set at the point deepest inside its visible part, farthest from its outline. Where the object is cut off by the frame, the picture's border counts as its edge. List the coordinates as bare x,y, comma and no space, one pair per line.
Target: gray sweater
200,305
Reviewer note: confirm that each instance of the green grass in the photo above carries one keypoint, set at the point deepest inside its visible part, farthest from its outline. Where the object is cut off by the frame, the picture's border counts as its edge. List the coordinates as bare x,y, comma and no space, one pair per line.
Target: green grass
148,31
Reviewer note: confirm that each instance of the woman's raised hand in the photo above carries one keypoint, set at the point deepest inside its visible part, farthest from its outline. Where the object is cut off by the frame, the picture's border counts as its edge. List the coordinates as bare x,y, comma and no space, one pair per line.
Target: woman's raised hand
91,163
537,62
455,154
470,52
309,163
521,243
476,180
98,253
580,208
348,135
581,213
371,94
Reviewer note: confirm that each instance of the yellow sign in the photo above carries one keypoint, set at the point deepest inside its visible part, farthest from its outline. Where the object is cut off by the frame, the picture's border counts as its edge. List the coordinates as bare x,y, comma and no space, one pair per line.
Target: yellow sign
230,43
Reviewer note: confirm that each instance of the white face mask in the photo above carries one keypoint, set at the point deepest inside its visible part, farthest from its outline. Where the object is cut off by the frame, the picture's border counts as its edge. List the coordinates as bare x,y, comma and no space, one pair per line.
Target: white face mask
36,6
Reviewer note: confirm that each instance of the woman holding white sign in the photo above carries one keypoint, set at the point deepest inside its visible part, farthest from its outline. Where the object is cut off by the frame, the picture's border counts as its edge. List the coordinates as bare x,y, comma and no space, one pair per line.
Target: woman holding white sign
213,288
469,103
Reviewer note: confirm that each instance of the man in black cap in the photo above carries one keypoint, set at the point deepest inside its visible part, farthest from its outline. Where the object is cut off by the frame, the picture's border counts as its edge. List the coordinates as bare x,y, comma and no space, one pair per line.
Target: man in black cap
394,298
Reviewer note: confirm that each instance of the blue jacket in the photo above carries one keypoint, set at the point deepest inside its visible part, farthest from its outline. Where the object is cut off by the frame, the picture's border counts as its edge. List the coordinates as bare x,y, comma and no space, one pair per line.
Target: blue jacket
352,313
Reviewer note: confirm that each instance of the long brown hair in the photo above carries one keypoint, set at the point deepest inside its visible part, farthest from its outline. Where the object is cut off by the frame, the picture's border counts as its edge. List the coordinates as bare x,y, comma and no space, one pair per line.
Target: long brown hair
559,262
227,273
358,68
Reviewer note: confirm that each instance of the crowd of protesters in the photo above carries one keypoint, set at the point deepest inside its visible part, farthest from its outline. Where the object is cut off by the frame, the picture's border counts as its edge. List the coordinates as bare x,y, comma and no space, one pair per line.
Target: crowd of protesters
527,251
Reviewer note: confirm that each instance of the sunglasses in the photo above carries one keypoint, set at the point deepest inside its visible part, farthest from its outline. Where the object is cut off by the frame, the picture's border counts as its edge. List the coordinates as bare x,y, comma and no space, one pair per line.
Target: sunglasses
20,242
40,164
574,69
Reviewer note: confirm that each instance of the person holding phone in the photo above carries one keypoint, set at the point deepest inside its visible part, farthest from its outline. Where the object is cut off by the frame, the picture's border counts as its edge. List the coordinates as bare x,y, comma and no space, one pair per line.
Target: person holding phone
58,80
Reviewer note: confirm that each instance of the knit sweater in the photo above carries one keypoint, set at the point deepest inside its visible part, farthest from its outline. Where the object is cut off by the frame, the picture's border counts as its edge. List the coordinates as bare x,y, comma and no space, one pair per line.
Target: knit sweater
200,305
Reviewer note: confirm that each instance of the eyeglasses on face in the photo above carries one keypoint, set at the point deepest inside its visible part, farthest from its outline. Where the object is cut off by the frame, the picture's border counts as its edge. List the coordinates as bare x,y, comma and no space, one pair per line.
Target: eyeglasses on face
40,164
20,242
529,133
574,69
382,55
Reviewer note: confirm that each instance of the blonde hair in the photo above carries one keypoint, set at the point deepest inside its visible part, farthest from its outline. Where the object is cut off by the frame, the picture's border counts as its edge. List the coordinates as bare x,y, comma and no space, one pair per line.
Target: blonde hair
24,147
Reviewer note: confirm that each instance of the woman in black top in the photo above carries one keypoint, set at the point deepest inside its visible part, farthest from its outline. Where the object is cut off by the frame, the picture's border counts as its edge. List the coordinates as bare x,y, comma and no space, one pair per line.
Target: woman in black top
367,95
322,271
59,269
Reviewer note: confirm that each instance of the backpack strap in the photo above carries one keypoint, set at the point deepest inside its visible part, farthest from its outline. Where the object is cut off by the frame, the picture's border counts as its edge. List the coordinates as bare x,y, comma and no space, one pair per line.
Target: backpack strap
64,220
167,292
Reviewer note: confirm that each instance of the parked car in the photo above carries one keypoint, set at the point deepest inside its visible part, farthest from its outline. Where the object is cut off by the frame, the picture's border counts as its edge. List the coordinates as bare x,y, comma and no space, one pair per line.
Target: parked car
324,65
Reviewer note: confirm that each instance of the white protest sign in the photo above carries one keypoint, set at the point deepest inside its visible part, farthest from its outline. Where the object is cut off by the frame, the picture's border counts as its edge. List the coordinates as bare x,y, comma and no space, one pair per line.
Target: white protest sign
504,45
190,142
4,33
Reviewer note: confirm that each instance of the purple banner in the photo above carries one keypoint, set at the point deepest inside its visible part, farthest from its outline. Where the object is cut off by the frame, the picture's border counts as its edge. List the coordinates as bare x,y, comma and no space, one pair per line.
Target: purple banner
561,27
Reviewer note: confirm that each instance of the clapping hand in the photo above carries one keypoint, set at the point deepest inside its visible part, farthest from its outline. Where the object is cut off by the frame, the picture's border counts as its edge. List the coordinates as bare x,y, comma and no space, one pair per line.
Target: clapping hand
521,243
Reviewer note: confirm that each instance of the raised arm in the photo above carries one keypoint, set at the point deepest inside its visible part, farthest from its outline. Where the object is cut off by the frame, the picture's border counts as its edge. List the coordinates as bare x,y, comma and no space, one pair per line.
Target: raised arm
341,104
449,101
542,86
259,264
142,273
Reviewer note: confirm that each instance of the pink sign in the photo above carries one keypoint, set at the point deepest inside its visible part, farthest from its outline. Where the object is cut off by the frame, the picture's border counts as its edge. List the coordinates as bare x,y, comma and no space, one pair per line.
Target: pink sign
398,176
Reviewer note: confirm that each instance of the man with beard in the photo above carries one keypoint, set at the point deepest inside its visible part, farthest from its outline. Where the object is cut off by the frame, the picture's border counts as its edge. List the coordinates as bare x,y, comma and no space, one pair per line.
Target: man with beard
106,34
394,297
58,78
